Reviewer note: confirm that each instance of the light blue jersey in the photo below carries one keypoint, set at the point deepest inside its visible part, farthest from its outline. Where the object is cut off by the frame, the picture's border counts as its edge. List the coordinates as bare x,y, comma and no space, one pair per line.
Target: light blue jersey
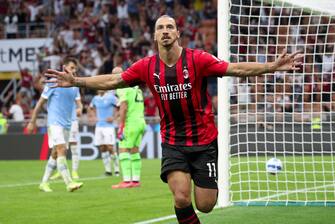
104,106
60,105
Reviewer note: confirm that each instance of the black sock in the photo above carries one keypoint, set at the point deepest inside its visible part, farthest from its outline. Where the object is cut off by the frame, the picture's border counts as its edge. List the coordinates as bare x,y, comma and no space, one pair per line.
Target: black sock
187,215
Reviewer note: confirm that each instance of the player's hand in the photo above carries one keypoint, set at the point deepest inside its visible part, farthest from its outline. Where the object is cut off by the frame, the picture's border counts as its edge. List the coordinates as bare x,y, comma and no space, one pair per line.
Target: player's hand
30,127
59,79
120,134
288,62
110,119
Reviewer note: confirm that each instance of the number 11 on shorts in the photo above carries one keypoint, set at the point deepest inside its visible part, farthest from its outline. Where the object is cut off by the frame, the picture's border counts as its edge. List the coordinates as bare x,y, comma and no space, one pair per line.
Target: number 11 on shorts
212,169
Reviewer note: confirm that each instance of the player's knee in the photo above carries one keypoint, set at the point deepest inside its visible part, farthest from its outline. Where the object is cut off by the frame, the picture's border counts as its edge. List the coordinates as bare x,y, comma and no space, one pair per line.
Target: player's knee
206,205
182,199
205,208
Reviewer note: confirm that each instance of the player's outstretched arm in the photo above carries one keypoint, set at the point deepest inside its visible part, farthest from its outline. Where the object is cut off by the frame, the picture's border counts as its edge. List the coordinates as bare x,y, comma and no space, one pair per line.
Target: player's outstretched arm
67,79
285,62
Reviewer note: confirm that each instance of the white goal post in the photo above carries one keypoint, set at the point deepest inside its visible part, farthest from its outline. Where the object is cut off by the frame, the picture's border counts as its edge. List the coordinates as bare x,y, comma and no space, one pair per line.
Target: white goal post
288,116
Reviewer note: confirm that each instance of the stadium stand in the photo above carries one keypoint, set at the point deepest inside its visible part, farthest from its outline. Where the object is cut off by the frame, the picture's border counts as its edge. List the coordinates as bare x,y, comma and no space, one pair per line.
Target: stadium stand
101,34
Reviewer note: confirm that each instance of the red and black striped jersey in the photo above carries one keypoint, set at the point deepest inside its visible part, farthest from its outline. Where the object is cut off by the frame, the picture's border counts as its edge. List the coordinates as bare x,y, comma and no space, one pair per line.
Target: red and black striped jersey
180,91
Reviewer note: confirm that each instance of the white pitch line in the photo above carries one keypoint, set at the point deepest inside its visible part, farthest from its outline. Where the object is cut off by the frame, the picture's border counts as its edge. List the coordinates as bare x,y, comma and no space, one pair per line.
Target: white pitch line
292,192
58,181
257,199
157,220
164,218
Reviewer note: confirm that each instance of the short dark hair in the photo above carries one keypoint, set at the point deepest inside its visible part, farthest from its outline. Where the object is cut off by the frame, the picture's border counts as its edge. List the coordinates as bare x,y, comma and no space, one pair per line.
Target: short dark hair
67,60
166,16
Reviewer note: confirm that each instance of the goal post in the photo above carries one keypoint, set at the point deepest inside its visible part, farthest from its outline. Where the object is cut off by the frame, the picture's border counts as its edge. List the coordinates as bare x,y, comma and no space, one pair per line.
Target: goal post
223,107
289,116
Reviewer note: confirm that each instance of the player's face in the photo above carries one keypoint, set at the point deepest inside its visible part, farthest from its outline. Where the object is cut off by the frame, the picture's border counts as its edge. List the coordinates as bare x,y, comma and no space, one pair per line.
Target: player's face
166,33
72,67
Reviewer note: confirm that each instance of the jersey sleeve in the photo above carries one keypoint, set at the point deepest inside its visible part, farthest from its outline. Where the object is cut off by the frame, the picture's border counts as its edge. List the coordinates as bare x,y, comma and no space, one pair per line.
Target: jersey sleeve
47,92
116,101
122,94
210,65
113,99
12,109
92,105
77,94
134,75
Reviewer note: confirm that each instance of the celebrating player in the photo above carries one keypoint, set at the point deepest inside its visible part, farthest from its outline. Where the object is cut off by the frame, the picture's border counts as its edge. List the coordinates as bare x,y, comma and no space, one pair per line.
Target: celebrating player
177,78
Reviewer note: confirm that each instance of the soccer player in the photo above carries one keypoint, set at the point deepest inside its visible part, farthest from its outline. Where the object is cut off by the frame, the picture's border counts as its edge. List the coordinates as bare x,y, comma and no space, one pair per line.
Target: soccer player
74,131
177,77
130,133
104,105
60,108
73,138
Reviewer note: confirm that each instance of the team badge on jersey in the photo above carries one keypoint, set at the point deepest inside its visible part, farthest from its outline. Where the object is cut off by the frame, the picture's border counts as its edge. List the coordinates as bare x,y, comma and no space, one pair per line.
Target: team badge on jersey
185,73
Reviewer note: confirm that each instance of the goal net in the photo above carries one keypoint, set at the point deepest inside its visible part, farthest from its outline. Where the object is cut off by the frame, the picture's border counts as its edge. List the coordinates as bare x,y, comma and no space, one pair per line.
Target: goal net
289,116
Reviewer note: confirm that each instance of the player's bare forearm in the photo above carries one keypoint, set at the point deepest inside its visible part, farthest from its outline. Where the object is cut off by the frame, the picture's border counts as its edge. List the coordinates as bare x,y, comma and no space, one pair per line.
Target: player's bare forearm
79,107
37,109
79,104
100,82
285,62
123,111
68,79
249,69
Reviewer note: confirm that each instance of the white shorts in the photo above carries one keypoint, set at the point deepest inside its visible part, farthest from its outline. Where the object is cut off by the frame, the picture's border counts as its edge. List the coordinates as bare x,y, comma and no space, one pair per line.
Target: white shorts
74,131
57,135
104,136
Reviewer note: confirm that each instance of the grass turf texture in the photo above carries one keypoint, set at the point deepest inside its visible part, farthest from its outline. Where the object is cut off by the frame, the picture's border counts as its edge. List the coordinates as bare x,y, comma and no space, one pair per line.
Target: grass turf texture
96,202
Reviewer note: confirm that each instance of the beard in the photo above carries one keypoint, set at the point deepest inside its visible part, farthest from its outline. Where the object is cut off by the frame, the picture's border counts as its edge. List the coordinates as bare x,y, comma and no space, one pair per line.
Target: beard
168,43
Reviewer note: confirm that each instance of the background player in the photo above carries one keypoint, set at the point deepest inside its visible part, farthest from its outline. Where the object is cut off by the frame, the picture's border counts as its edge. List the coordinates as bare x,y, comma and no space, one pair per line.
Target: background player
131,129
60,108
103,105
73,138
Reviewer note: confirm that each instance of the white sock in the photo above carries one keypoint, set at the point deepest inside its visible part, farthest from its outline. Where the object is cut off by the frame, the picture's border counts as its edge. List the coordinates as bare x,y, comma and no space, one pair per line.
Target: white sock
49,168
75,157
63,170
115,160
107,161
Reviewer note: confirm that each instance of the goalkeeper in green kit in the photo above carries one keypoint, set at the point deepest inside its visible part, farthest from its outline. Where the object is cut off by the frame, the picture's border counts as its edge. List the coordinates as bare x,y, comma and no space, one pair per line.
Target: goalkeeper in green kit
130,132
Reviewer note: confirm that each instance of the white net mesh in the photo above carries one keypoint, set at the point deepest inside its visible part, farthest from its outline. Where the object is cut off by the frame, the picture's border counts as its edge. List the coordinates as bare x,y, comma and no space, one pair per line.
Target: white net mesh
289,116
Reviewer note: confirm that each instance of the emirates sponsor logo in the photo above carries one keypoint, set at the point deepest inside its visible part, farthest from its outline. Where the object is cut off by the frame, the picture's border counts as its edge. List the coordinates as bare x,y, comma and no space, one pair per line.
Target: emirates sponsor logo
173,92
173,88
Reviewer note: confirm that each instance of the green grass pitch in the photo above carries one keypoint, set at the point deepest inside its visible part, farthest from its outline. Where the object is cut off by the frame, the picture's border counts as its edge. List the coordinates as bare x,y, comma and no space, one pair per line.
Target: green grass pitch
96,202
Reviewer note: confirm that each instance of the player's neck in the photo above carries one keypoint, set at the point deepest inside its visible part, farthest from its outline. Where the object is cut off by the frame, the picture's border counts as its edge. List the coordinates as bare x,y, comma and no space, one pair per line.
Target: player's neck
171,55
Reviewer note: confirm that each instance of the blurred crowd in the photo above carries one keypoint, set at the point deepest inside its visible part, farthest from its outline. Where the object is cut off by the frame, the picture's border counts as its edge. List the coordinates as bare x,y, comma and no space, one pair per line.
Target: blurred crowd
260,35
101,35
